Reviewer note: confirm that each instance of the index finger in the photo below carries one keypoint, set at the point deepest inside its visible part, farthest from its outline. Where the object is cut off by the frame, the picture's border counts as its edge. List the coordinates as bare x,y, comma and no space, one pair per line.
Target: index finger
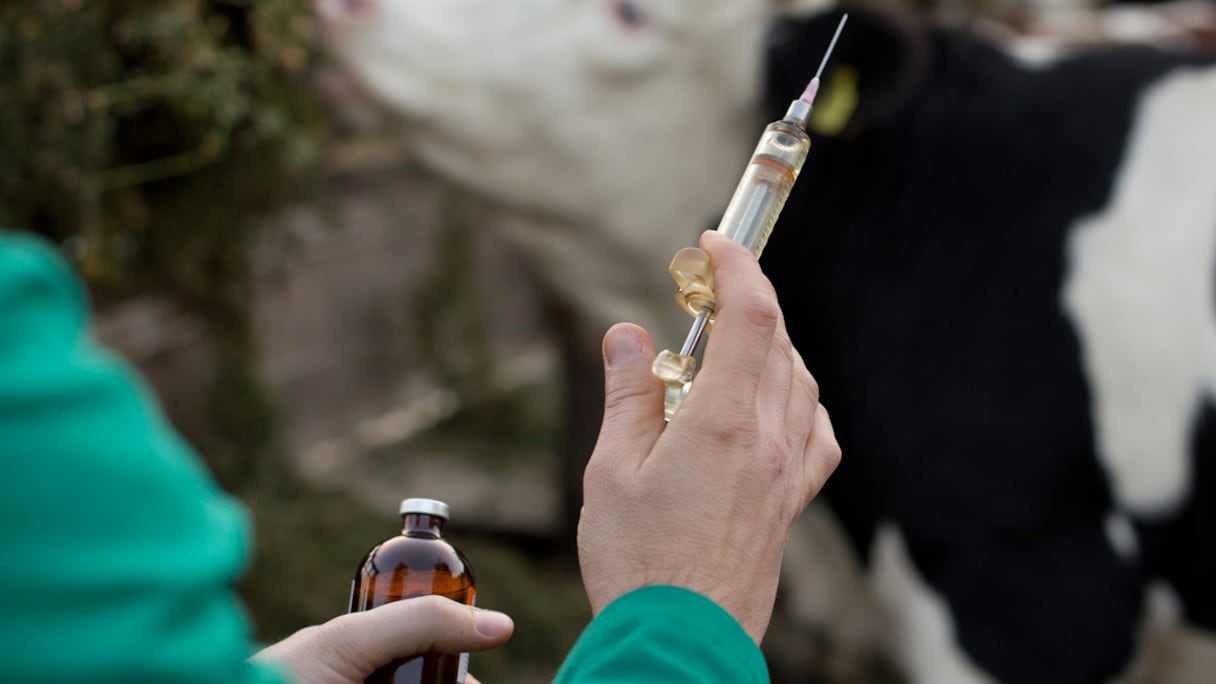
746,319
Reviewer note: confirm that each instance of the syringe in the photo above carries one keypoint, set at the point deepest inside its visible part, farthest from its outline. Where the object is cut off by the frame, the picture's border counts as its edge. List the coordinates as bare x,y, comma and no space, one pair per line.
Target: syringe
748,220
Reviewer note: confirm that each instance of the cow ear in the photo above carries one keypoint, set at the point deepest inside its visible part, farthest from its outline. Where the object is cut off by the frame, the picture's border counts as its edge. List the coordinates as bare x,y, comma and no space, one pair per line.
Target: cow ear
878,65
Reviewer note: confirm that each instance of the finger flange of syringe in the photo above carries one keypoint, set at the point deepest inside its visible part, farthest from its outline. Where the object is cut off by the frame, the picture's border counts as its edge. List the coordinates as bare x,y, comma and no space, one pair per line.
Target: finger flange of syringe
748,220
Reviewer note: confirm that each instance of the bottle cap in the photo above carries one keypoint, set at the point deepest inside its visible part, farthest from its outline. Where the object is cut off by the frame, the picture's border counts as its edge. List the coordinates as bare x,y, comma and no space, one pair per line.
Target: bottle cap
426,506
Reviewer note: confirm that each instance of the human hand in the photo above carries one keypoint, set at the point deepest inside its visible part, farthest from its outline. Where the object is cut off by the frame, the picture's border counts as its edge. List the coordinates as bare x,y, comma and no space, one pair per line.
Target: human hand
707,502
347,649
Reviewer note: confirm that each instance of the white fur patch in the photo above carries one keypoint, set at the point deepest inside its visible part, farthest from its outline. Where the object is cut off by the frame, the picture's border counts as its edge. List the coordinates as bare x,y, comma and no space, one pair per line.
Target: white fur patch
924,627
1140,293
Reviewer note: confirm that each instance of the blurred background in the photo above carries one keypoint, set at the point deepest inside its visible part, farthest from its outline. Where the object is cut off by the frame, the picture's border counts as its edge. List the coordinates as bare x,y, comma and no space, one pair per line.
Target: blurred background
334,326
311,308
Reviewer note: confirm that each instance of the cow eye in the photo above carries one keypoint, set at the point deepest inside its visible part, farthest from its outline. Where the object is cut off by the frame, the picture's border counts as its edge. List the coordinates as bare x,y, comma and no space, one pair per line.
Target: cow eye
629,13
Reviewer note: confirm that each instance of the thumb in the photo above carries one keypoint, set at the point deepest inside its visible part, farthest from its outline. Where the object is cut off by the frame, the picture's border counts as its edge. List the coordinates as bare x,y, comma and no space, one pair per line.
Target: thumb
633,397
351,647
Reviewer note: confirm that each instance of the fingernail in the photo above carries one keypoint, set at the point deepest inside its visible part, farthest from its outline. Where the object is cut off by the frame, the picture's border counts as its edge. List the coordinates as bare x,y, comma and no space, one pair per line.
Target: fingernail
621,344
493,624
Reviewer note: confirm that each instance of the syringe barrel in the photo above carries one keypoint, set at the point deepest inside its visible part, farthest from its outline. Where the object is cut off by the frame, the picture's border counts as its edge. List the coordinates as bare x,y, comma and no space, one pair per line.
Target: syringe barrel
766,183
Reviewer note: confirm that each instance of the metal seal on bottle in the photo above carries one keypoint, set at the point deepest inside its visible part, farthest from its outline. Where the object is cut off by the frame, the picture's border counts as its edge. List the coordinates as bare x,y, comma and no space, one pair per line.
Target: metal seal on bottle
425,506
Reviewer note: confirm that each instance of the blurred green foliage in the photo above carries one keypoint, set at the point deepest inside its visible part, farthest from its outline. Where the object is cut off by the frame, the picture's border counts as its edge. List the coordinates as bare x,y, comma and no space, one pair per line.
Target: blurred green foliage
142,136
149,140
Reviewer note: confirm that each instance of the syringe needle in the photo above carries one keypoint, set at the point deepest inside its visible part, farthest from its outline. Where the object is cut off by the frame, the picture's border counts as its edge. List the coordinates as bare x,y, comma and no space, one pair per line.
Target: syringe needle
808,95
831,46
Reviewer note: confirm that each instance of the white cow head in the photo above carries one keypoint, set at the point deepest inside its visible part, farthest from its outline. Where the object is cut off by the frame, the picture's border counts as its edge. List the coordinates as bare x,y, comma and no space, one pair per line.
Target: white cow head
613,129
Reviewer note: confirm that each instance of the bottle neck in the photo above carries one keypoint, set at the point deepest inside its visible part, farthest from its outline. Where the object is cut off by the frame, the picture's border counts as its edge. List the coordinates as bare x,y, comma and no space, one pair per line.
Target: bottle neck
422,525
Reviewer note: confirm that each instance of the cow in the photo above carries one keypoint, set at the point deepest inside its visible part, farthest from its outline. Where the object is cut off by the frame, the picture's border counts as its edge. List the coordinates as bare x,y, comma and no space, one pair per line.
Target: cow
975,264
524,102
1004,277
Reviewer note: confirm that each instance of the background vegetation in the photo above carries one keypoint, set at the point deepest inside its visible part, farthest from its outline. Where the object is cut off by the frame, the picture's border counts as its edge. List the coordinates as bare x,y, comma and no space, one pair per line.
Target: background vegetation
151,141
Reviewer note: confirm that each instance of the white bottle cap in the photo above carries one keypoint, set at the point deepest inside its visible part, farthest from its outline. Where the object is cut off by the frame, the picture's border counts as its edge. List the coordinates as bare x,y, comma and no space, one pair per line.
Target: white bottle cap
425,506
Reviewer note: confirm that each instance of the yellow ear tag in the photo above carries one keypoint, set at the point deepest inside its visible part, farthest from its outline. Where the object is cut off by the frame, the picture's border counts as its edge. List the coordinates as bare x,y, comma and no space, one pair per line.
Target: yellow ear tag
834,105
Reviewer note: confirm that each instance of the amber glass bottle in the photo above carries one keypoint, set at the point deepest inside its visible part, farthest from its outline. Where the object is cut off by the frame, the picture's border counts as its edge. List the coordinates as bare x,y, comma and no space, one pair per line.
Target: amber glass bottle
417,562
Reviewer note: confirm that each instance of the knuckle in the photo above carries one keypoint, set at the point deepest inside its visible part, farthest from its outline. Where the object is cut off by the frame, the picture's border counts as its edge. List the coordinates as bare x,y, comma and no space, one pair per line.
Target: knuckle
732,431
444,616
809,380
806,383
782,339
776,453
829,446
761,311
597,477
834,456
593,473
603,476
620,395
333,638
429,609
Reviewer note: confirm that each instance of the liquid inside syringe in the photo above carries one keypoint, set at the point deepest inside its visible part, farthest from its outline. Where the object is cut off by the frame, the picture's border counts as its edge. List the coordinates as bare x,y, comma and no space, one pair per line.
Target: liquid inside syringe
748,220
766,184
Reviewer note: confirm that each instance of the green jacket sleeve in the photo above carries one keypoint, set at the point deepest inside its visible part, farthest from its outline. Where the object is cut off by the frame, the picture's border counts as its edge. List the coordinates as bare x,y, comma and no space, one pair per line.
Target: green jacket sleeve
664,634
118,552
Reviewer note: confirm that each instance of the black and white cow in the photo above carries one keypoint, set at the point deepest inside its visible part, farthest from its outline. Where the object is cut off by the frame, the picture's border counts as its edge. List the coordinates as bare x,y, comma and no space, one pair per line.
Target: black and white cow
1004,277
